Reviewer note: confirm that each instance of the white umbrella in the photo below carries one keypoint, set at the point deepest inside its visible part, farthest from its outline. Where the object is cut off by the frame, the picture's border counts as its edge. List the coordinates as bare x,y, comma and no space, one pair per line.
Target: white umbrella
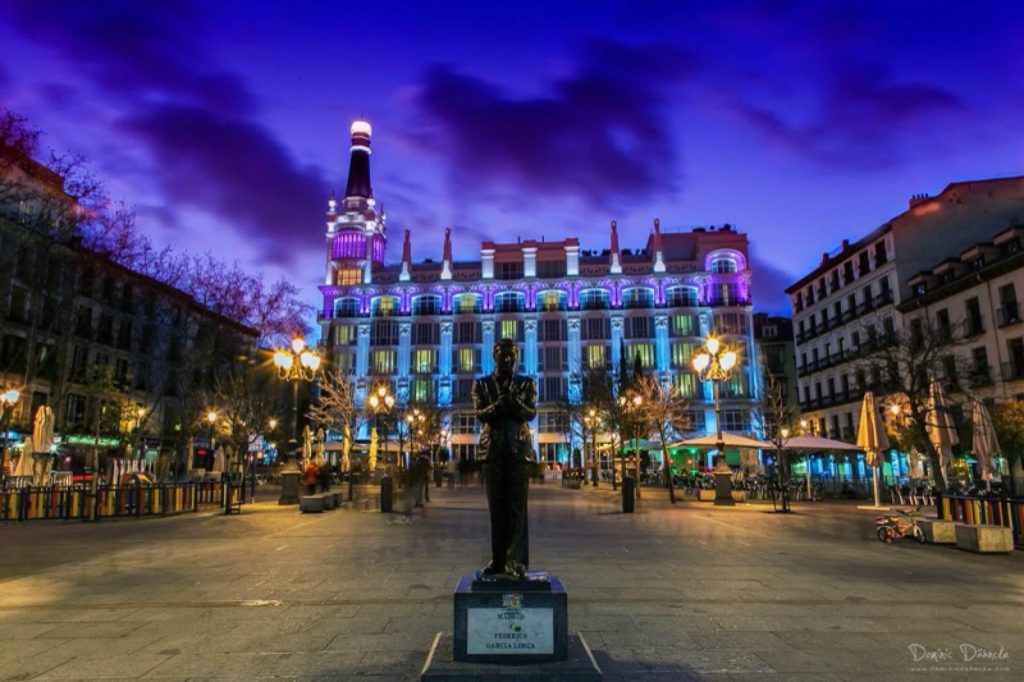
321,450
729,439
190,448
818,443
218,460
371,458
24,467
871,438
985,446
42,429
307,444
941,430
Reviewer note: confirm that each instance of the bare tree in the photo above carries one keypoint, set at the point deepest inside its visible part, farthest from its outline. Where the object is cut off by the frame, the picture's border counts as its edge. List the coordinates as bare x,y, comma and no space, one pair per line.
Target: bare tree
335,407
902,364
665,413
774,414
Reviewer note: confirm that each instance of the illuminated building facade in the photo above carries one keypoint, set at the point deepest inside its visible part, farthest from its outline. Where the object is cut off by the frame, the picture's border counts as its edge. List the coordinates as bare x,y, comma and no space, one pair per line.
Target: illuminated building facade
427,328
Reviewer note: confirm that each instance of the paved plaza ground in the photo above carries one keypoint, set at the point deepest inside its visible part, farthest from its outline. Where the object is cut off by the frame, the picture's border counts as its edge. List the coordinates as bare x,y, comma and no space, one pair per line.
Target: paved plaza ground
669,593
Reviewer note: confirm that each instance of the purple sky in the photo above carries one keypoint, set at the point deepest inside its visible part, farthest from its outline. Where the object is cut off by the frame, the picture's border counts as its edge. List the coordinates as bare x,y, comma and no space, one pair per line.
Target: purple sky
226,123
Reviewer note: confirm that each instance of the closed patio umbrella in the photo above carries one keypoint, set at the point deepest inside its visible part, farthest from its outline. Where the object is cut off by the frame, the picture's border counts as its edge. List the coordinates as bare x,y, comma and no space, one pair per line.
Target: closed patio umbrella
321,450
346,449
871,438
985,446
941,430
307,444
42,429
24,467
371,457
218,460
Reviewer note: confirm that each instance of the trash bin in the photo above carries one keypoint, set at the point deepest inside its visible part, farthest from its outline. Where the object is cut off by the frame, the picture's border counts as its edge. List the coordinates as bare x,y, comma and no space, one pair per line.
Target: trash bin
387,493
628,494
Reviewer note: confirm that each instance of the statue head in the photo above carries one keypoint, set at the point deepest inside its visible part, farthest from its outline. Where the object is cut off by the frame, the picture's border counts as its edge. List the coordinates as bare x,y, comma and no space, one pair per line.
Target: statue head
506,356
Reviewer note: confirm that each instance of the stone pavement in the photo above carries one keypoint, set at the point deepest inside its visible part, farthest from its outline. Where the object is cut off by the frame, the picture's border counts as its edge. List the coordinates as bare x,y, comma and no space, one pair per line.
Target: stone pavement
669,593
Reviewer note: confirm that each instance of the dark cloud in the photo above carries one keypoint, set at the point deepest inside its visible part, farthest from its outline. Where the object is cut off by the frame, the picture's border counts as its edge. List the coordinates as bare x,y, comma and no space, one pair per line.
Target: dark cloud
599,135
236,170
861,117
137,50
769,283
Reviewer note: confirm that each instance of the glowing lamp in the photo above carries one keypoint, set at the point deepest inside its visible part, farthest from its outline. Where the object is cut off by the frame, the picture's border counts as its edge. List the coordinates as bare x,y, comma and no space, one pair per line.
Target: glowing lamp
701,362
360,128
712,345
273,423
298,344
211,416
374,401
389,400
785,433
728,360
637,400
283,360
10,396
895,409
803,423
308,359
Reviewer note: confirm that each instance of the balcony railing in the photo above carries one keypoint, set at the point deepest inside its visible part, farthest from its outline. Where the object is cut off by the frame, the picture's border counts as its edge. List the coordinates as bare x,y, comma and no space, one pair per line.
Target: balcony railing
1013,371
1009,314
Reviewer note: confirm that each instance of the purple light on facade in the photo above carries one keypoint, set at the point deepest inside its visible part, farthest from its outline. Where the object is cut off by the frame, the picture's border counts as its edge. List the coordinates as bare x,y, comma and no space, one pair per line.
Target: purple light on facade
364,303
348,245
378,248
405,302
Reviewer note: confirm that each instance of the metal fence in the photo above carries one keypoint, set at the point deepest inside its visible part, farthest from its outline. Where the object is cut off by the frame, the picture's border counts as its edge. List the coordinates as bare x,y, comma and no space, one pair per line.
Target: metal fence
994,511
52,502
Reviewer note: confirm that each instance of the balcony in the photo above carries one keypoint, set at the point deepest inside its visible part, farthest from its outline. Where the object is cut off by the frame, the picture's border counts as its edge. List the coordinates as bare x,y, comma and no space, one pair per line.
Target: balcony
884,298
1009,314
981,376
1013,371
974,327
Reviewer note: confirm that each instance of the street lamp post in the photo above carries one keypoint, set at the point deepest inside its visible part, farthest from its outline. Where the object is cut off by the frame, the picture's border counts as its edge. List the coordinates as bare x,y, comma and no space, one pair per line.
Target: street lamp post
631,405
294,364
381,401
714,362
780,466
593,420
8,399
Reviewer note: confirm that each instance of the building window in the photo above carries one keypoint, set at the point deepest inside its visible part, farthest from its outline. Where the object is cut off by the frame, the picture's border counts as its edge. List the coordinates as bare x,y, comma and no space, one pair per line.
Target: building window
509,302
467,332
974,325
638,297
551,301
639,327
681,354
384,306
597,357
685,383
595,299
682,325
644,350
723,265
426,333
348,277
384,333
465,423
552,330
467,303
467,360
735,420
345,335
553,359
426,305
681,297
596,329
424,361
510,329
462,390
732,323
551,268
346,307
726,294
510,270
382,362
422,390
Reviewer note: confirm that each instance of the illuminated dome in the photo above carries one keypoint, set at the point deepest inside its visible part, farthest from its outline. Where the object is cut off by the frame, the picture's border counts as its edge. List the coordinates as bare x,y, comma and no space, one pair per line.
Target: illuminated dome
360,128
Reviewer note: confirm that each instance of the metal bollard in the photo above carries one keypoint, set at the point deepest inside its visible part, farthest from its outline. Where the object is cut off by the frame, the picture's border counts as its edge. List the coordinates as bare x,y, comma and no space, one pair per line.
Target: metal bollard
628,494
387,490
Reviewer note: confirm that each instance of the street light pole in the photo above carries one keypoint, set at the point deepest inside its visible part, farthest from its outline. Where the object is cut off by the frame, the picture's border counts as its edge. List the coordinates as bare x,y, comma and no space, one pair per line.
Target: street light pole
715,362
8,399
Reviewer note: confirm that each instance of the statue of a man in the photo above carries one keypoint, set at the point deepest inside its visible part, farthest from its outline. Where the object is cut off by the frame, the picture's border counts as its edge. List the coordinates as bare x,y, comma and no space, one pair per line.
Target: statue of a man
505,402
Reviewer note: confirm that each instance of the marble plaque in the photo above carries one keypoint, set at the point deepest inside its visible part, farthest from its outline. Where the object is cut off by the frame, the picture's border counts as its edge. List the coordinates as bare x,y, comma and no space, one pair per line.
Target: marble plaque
513,630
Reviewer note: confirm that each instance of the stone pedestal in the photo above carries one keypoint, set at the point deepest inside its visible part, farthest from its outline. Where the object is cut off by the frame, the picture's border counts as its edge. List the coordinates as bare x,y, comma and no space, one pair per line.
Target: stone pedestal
507,620
289,487
579,666
723,488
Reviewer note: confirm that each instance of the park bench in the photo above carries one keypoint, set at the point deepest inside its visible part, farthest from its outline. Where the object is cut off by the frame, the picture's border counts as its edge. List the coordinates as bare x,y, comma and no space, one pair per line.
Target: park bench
984,539
938,531
311,504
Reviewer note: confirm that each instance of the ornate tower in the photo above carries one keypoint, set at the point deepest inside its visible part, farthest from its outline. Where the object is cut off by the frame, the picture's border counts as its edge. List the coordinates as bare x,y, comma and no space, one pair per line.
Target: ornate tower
356,230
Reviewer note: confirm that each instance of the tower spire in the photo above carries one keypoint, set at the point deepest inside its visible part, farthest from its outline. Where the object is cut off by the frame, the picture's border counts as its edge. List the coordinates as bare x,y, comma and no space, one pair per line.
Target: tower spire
406,274
446,255
659,257
616,267
359,162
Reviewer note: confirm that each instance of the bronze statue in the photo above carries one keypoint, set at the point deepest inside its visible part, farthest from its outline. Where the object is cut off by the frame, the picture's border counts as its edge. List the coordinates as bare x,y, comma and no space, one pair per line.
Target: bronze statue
505,402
